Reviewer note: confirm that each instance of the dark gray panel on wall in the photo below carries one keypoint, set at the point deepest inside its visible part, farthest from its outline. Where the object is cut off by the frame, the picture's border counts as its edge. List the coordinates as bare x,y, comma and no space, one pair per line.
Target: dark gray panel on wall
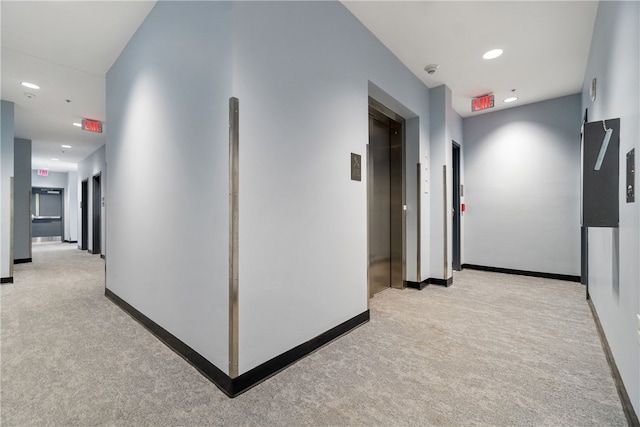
600,174
631,180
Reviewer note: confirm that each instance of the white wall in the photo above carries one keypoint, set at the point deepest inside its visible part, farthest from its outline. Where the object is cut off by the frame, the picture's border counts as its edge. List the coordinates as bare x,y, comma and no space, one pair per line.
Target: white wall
91,166
6,173
303,95
53,180
522,192
167,153
71,207
303,109
614,270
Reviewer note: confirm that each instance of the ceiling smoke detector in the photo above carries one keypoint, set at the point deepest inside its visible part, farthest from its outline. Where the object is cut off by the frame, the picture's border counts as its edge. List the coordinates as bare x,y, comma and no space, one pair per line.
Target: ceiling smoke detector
30,95
431,68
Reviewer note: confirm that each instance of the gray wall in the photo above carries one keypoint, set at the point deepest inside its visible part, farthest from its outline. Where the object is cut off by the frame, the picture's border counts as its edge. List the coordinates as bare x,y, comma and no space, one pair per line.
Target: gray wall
92,165
6,173
522,192
614,270
303,109
22,199
445,127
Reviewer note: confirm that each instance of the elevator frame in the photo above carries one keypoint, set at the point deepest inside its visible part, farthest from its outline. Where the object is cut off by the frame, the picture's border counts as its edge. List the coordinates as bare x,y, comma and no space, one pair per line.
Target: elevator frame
380,111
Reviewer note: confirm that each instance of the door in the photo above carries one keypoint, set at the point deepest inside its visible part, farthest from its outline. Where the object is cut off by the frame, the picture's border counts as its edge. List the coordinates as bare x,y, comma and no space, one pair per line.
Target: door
47,210
457,214
84,215
385,202
97,208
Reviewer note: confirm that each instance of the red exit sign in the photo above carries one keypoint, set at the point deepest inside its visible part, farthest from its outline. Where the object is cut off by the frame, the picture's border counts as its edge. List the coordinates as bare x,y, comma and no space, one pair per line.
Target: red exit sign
92,125
483,102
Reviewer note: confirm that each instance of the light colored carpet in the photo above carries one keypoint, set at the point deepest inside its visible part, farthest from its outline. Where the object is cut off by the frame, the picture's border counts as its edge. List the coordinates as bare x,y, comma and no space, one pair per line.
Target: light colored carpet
490,350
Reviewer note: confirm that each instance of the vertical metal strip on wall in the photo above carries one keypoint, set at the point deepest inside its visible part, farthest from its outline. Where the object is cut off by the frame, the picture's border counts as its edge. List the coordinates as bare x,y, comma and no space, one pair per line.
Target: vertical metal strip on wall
445,234
418,219
233,235
11,224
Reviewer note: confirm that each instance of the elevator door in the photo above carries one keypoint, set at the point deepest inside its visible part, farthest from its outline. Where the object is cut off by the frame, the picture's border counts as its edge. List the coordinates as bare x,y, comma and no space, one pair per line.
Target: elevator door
385,203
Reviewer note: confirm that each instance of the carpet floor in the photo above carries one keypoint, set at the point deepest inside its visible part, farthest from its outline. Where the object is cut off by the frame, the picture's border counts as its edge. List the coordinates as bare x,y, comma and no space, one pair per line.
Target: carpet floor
493,349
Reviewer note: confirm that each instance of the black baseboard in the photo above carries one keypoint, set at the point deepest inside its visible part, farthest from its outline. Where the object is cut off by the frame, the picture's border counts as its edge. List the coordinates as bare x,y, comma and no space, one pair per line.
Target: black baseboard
4,280
442,282
103,256
432,280
417,285
92,252
233,387
627,407
555,276
70,241
22,260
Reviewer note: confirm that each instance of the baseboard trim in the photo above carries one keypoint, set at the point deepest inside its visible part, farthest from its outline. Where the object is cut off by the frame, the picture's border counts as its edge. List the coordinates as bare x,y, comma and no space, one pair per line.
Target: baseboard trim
103,256
432,280
441,282
233,387
4,280
627,407
70,241
417,285
555,276
22,260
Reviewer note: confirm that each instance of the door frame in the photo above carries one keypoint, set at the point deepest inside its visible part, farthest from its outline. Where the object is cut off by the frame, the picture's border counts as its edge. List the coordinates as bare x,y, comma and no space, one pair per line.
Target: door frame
379,108
96,214
84,215
34,201
456,247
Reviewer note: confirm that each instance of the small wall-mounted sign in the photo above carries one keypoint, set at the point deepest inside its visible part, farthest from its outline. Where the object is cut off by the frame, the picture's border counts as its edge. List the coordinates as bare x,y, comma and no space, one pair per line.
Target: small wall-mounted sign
356,167
483,102
43,172
92,125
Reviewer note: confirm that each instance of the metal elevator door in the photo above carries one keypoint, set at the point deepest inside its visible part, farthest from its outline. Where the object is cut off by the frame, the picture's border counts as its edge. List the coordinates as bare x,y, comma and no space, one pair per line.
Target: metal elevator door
385,203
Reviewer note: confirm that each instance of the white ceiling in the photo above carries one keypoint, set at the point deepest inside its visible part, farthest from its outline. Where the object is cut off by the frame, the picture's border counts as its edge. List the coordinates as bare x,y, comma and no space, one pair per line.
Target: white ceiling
67,47
545,43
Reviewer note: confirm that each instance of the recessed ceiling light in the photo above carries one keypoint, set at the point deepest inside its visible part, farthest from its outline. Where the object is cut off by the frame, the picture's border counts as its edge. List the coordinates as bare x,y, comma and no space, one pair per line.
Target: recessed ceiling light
78,124
55,160
493,54
65,146
512,99
30,85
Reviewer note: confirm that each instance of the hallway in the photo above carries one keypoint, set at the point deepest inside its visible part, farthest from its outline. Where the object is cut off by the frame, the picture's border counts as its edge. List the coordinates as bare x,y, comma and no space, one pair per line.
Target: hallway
490,350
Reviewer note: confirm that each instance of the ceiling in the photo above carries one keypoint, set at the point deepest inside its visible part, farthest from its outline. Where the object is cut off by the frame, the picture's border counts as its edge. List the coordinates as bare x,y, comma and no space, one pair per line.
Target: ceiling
68,47
545,43
65,47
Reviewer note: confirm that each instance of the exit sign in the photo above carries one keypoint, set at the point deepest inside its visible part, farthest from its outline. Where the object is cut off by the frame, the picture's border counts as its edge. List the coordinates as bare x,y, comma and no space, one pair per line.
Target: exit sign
43,172
92,125
483,102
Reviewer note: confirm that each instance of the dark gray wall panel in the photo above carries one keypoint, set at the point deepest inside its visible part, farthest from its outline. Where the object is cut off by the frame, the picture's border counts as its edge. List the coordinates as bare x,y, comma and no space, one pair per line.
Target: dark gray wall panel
600,199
